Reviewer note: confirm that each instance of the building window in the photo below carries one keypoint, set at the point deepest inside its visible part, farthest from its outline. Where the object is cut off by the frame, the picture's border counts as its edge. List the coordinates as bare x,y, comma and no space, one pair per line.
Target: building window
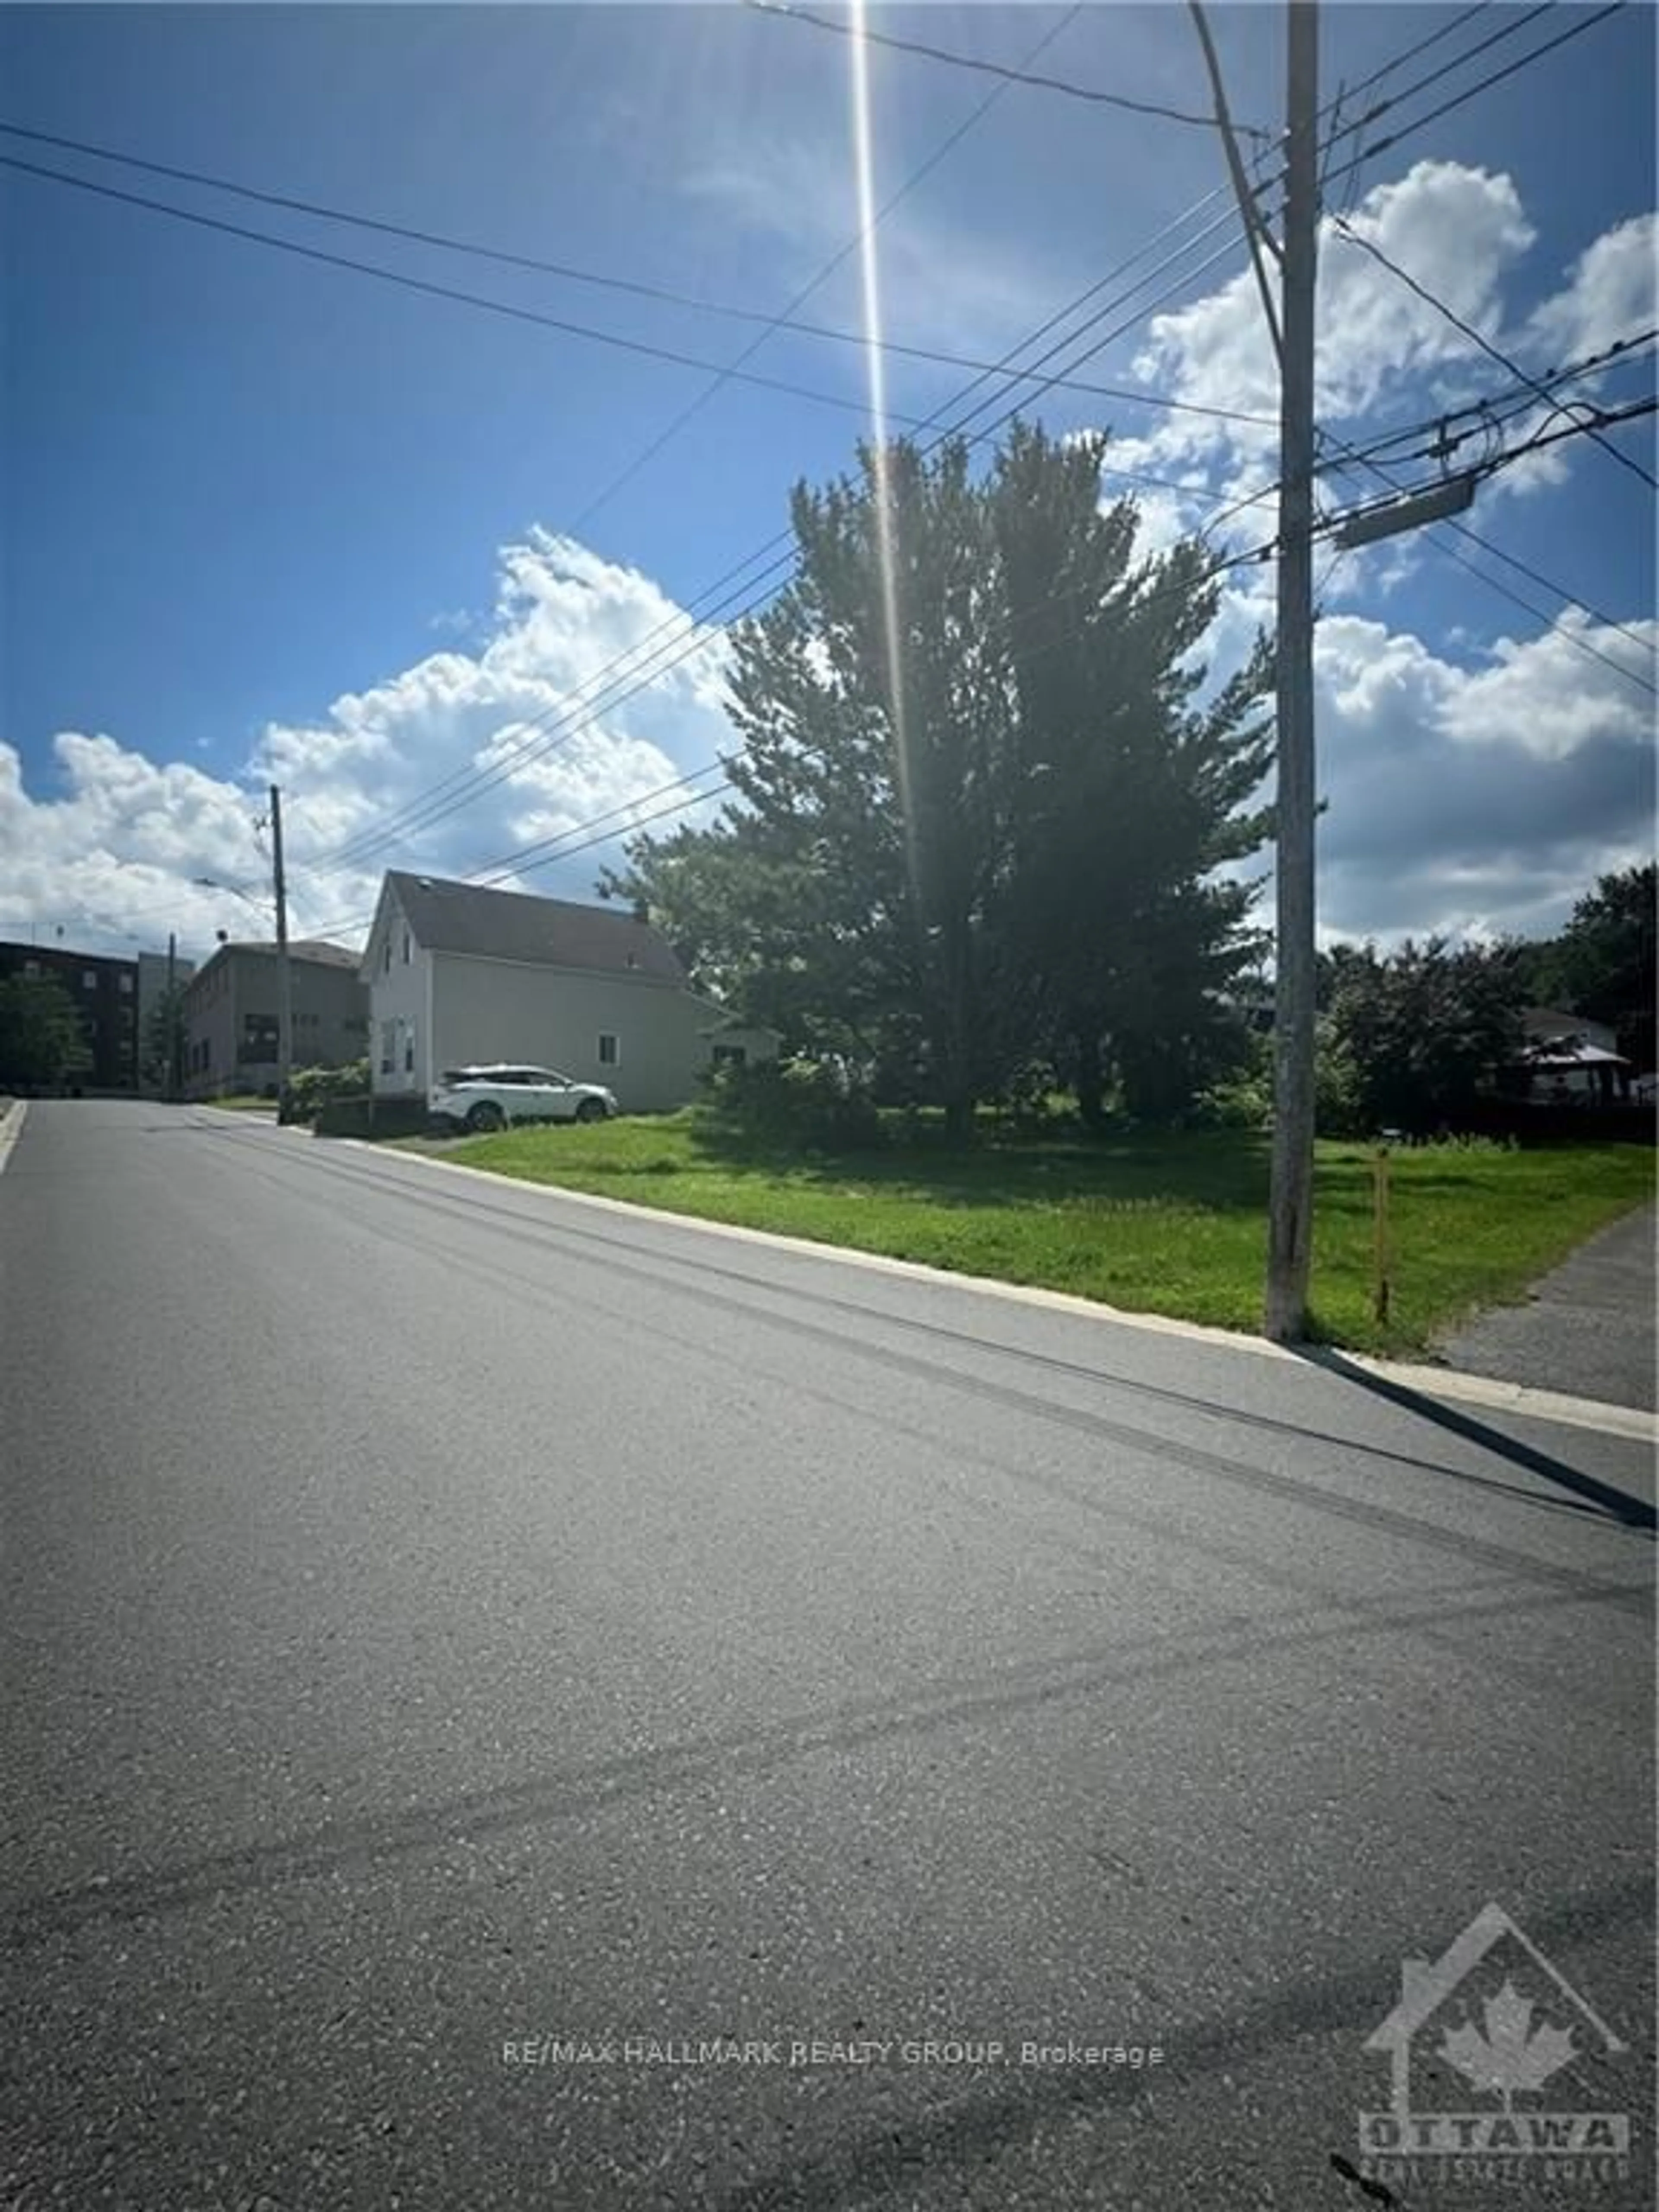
32,970
409,1049
609,1055
406,948
126,986
388,1043
259,1040
730,1055
385,950
88,979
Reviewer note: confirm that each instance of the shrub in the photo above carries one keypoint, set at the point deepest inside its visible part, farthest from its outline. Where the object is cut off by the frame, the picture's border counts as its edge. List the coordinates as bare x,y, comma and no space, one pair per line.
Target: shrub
1339,1091
1242,1101
310,1088
1027,1096
816,1105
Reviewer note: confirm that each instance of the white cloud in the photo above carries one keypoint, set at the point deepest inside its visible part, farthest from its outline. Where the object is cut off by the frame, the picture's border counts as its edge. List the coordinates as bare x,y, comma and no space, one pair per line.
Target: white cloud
1479,793
116,852
1476,799
1384,354
1609,295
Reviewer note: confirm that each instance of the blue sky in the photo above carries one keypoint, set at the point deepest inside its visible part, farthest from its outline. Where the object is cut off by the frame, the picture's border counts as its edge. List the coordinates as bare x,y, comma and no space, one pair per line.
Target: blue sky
265,517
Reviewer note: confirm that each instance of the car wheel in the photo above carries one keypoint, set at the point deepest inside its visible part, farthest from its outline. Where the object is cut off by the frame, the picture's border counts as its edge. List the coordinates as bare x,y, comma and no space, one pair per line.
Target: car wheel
485,1116
591,1109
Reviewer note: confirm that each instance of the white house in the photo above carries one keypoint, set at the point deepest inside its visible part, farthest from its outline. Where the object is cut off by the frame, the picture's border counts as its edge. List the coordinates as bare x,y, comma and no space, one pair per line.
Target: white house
460,976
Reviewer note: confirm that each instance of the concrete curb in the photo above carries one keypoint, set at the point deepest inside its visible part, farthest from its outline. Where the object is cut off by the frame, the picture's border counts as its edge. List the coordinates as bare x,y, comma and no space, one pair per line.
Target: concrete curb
1437,1383
13,1115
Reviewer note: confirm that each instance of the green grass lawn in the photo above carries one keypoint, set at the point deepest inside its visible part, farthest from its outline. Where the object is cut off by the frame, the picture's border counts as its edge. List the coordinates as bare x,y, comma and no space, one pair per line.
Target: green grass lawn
1164,1223
241,1103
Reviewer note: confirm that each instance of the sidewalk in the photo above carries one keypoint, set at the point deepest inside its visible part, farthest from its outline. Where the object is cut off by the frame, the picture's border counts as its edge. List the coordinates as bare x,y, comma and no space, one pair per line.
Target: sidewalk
1587,1329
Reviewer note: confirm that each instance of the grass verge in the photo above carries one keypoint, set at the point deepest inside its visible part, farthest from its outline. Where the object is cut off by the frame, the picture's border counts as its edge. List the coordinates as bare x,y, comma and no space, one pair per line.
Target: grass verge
1171,1224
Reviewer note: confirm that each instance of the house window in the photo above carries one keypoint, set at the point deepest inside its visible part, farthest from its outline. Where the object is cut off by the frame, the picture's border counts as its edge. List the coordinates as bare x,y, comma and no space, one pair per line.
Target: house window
609,1055
409,1049
126,986
385,950
388,1045
32,970
406,948
730,1055
88,979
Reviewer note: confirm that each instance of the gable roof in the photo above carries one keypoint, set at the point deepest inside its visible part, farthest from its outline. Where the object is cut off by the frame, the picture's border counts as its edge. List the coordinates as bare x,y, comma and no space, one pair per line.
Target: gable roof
490,924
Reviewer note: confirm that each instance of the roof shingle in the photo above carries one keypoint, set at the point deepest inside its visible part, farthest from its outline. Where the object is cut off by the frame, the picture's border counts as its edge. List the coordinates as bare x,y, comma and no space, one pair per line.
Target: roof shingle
491,925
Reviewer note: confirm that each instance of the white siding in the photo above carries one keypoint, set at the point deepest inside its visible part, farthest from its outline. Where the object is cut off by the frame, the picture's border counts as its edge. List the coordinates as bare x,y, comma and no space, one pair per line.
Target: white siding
397,1011
501,1010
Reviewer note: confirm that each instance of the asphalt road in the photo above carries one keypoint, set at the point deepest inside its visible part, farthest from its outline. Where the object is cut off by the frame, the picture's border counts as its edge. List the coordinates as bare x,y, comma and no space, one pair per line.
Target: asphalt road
444,1620
1588,1326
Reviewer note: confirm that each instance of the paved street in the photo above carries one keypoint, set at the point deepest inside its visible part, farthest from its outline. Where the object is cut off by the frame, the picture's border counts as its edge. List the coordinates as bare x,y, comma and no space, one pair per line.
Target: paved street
1588,1328
440,1616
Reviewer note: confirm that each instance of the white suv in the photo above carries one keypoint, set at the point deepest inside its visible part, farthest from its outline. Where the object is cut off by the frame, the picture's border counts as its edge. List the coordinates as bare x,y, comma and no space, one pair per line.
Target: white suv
482,1099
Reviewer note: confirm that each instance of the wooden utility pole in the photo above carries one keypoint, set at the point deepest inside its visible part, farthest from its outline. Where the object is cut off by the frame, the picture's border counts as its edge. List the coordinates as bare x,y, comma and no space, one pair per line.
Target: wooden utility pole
1290,1226
172,1081
284,969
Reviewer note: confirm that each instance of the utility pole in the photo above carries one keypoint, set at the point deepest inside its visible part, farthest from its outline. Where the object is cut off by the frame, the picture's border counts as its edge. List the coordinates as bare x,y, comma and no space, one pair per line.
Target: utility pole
284,970
1290,1225
173,1082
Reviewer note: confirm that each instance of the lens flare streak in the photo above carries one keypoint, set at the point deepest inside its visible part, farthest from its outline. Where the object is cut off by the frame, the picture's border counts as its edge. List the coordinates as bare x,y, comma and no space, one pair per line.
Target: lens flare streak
881,464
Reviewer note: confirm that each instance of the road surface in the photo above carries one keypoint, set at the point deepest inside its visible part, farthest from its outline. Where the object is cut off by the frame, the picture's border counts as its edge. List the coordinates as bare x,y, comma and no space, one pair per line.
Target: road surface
1588,1326
513,1703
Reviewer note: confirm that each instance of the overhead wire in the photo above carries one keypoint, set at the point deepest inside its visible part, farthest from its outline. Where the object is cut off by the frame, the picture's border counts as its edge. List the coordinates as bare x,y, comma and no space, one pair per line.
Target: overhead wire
1096,96
1404,132
784,320
542,853
776,556
1345,231
1587,21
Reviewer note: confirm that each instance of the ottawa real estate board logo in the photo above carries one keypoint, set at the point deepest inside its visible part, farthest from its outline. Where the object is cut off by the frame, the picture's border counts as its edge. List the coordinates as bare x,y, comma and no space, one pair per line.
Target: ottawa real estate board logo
1496,2064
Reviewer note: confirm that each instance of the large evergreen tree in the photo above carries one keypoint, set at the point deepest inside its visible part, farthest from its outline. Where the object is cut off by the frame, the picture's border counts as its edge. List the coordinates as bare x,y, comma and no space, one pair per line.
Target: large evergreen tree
980,804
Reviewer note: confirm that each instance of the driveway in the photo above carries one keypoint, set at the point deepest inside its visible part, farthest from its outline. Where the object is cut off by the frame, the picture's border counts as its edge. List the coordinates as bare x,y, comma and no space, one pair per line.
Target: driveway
1587,1329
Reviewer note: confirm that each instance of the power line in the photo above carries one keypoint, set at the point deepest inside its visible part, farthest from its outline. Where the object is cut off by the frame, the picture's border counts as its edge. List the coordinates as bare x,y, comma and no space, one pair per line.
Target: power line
1095,95
1494,353
425,285
368,843
539,855
826,333
847,405
694,406
1491,413
1510,29
1585,22
1383,473
1422,46
426,813
776,556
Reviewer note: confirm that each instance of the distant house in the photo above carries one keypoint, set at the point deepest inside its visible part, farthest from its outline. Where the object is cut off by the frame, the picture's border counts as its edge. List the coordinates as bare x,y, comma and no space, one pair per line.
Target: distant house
1568,1057
231,1015
459,975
